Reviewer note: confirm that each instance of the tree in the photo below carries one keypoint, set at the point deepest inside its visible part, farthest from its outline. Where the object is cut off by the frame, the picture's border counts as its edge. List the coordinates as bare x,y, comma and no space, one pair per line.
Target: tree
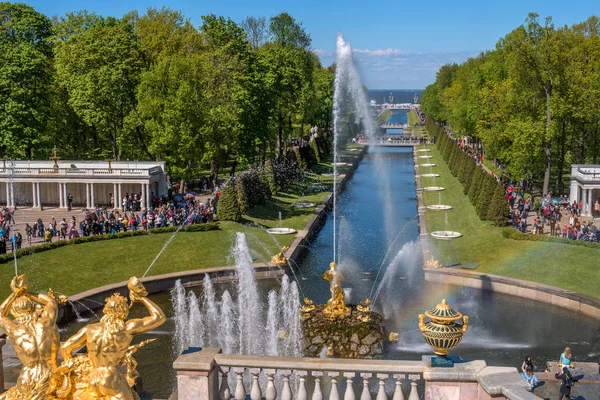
228,208
256,30
100,69
25,78
498,210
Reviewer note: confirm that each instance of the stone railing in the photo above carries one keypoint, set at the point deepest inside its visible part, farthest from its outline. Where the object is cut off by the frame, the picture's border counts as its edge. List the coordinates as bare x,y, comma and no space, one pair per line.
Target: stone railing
71,172
586,173
208,374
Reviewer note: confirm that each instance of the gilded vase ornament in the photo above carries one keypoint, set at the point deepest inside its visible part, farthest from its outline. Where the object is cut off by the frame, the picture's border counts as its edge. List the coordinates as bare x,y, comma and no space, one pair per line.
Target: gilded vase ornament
364,307
442,333
34,336
307,308
336,305
108,369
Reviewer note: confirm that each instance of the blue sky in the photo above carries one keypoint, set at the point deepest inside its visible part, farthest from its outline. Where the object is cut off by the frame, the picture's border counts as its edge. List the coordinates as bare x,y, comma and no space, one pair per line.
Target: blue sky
398,44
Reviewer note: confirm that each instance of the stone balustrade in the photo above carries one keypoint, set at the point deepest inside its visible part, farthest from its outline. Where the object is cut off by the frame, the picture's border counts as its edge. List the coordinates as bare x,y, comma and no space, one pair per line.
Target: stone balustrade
209,374
75,172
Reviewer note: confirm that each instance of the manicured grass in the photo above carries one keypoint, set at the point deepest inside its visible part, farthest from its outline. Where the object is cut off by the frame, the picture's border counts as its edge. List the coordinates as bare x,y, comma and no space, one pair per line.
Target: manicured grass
565,266
413,118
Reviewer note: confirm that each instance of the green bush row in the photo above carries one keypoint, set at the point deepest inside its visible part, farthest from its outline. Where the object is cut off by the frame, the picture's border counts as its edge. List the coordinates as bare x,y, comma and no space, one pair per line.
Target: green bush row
4,258
510,233
485,193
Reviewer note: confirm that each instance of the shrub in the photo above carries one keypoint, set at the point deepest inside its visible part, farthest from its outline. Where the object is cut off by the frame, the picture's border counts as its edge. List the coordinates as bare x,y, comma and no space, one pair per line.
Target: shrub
498,209
250,190
469,172
286,173
270,176
510,233
486,193
478,177
229,209
315,149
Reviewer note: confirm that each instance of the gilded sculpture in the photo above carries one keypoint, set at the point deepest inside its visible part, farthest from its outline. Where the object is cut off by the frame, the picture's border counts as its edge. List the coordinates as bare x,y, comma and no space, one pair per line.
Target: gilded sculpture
336,305
442,333
103,373
34,336
279,258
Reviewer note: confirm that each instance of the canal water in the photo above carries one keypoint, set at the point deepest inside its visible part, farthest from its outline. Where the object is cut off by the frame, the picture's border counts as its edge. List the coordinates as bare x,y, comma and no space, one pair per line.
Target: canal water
378,228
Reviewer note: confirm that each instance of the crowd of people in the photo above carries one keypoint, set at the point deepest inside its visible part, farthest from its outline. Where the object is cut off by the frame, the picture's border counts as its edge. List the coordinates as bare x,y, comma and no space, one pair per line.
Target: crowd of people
172,210
554,216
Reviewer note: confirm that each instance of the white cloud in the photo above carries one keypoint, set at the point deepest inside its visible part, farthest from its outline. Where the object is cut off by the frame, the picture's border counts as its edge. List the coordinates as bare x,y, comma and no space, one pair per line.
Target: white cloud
379,52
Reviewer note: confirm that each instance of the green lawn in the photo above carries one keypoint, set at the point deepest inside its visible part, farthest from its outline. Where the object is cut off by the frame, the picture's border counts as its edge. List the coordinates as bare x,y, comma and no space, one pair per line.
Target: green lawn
565,266
73,269
413,118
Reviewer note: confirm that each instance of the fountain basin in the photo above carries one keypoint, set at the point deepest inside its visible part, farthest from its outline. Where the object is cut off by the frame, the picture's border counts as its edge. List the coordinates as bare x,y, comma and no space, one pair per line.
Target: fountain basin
445,235
281,231
423,150
439,207
433,188
430,175
425,156
427,165
303,204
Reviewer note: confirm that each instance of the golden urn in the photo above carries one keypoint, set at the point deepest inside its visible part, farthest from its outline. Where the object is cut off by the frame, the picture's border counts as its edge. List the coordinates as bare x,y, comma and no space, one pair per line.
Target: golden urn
442,332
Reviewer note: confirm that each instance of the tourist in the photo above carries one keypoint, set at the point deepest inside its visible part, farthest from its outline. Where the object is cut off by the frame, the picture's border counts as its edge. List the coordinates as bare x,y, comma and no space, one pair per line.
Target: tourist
530,378
527,363
565,358
597,209
63,229
29,232
69,201
48,235
567,383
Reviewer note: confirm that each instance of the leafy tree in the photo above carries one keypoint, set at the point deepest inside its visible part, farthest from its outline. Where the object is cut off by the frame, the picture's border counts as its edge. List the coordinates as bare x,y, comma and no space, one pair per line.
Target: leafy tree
25,78
100,69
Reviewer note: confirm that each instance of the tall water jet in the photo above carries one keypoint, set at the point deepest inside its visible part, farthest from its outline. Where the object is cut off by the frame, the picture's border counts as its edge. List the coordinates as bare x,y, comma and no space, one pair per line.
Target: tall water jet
227,325
272,324
195,321
249,307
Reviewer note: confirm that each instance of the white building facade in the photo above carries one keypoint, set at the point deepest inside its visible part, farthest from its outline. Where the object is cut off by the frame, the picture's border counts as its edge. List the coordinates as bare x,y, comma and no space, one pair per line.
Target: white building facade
585,186
39,184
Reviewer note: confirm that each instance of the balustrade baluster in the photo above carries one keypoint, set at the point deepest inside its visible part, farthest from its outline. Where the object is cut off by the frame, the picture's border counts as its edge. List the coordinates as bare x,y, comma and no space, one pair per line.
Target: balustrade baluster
271,392
286,391
414,394
334,394
398,395
349,394
381,393
224,390
240,391
365,395
318,392
302,393
255,392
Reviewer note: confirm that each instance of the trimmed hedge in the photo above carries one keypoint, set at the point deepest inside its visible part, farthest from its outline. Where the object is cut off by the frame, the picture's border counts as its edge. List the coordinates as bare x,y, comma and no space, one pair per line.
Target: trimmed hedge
498,210
510,233
209,226
229,209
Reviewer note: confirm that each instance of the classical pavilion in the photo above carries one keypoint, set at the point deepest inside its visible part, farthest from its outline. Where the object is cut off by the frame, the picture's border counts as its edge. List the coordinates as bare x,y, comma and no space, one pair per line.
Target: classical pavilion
585,186
39,184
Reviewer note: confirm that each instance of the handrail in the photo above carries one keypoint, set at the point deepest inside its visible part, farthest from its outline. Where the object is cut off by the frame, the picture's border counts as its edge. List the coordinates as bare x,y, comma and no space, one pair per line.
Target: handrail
320,364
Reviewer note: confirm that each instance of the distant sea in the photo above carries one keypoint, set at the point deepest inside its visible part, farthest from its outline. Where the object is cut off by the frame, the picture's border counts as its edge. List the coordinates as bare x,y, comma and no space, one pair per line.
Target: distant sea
400,95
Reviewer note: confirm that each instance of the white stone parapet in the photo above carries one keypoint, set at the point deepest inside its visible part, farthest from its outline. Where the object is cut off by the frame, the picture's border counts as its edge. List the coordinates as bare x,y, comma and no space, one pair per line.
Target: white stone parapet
208,374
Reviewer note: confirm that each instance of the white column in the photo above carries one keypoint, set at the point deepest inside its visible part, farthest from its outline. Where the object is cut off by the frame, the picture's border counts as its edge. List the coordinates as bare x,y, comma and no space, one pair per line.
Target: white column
12,195
148,199
33,195
87,195
584,201
39,196
119,198
61,203
7,195
590,202
143,196
65,195
114,194
92,195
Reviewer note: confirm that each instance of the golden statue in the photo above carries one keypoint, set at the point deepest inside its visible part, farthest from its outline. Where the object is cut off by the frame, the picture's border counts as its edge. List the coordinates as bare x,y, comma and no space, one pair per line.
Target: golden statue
442,333
336,306
365,310
279,258
106,372
307,308
393,337
430,261
34,336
